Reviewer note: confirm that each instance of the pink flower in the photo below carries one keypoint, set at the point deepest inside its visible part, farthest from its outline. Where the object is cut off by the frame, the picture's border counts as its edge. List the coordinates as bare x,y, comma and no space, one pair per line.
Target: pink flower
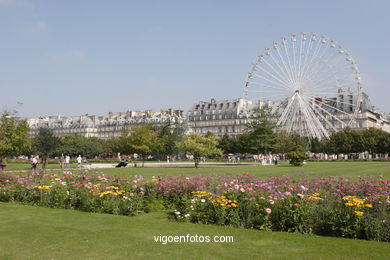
296,205
242,190
268,211
271,202
384,182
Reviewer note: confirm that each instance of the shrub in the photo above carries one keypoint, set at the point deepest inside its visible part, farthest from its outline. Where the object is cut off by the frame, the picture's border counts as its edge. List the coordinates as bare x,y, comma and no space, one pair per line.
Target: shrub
297,158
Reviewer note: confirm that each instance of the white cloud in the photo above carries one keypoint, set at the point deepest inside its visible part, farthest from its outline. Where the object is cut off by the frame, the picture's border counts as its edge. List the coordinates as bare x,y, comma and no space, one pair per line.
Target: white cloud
6,2
40,26
74,55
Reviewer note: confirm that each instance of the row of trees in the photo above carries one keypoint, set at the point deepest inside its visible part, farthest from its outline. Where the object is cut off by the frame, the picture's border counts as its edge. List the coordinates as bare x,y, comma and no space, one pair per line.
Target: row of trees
170,139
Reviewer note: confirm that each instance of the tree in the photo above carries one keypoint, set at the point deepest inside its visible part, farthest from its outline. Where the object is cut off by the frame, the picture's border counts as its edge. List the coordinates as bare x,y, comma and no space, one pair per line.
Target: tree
144,140
169,135
198,146
226,144
13,136
286,142
345,141
375,140
297,158
261,133
74,145
317,146
45,144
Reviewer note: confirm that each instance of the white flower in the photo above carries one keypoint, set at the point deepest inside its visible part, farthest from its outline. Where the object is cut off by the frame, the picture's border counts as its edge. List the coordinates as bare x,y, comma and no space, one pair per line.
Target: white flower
193,200
203,200
63,183
177,212
67,192
187,215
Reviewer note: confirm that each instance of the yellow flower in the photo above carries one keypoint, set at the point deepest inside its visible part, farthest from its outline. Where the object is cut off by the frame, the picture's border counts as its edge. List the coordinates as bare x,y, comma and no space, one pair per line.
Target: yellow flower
368,205
359,213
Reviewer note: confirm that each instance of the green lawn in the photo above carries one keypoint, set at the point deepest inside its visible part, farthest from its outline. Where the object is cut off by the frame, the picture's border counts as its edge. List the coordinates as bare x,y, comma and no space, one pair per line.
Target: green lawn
27,166
40,233
346,169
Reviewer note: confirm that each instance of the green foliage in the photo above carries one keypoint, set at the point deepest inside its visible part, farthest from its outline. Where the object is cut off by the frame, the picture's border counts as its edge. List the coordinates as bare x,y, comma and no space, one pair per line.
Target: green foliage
144,140
74,145
198,146
286,142
261,136
297,158
375,140
13,136
169,135
45,144
229,144
345,141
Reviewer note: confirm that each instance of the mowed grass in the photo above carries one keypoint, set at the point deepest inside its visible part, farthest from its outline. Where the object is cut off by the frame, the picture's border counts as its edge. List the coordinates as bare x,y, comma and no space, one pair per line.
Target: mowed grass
27,166
28,232
341,169
345,169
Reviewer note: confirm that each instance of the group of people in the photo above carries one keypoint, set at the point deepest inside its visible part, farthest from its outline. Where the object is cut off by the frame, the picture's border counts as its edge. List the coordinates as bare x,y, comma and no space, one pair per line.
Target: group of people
64,161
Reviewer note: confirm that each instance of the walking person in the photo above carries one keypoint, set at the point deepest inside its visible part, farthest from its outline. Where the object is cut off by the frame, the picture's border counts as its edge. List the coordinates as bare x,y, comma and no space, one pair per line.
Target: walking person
34,162
67,161
79,161
62,159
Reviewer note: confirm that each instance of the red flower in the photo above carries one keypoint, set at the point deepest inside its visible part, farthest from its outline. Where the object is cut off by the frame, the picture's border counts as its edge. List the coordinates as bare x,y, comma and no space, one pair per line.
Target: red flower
296,205
384,182
379,188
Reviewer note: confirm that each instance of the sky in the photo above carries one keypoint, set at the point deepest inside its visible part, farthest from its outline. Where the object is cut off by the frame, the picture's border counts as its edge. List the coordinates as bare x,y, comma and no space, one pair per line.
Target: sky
75,57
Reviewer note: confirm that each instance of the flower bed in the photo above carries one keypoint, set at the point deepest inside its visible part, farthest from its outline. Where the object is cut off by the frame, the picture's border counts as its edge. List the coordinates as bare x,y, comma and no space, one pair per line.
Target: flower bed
324,206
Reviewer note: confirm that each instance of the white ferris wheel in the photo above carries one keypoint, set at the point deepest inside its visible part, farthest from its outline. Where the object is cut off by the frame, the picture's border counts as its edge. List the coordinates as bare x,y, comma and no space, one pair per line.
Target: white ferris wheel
310,82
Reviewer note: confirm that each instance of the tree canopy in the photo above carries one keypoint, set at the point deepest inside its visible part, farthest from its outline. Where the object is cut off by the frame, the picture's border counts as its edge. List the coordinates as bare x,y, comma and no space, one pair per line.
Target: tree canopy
13,136
198,146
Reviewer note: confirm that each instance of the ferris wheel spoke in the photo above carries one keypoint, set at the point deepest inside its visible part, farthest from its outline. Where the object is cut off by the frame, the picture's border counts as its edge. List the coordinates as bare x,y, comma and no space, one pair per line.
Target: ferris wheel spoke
285,75
307,53
336,109
282,77
286,111
309,120
312,56
322,76
294,56
289,63
288,71
281,85
318,64
337,101
314,106
273,97
320,60
332,116
302,43
264,84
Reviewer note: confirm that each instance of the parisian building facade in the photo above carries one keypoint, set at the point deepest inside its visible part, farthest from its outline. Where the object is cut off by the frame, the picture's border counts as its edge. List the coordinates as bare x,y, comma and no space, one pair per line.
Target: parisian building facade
218,117
230,116
103,127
